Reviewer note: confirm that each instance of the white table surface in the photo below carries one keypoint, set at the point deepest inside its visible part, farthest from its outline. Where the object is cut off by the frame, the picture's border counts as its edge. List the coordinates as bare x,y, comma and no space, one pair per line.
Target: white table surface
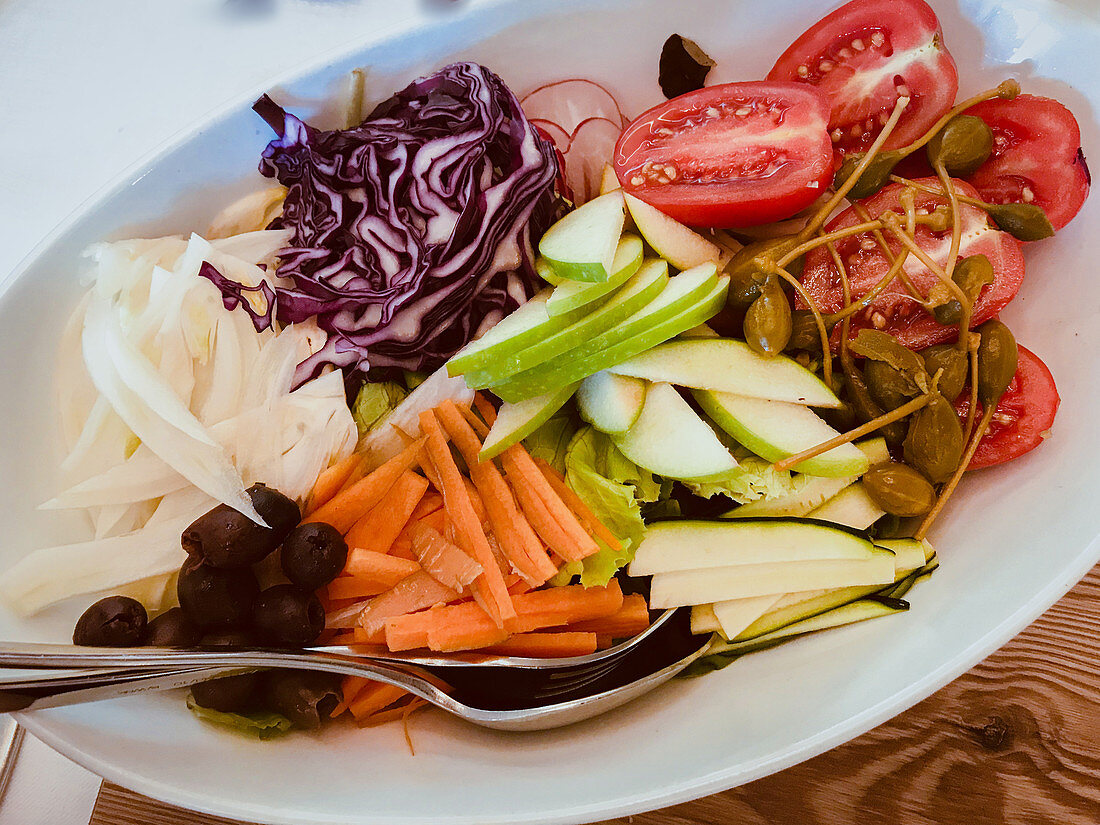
87,88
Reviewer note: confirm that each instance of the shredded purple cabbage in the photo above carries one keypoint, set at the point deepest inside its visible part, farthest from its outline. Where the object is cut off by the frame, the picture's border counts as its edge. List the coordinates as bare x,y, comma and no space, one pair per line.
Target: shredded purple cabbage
414,229
233,295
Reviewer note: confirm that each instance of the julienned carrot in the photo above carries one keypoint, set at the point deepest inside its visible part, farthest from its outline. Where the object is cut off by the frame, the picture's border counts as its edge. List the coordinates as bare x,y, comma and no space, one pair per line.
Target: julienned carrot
351,587
350,687
487,410
428,505
489,586
542,520
475,499
630,619
331,480
416,592
546,645
521,546
442,560
519,463
378,529
360,636
577,505
393,713
373,698
350,505
468,627
402,548
369,565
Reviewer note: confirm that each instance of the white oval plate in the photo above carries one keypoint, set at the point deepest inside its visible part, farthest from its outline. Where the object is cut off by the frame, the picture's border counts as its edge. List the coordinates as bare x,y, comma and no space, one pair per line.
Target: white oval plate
1014,540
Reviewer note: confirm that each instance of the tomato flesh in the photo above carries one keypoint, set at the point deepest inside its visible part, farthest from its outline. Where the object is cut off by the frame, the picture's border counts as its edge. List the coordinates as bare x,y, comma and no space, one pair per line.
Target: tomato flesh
895,310
1036,156
864,56
738,154
1023,416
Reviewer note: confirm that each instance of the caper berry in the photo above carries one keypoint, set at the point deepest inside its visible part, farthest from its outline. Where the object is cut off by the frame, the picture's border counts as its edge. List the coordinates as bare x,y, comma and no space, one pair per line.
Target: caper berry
874,177
313,555
866,408
288,616
953,362
116,621
971,274
889,387
173,628
226,538
934,443
898,489
1023,221
214,598
998,357
768,320
305,697
747,274
804,332
961,146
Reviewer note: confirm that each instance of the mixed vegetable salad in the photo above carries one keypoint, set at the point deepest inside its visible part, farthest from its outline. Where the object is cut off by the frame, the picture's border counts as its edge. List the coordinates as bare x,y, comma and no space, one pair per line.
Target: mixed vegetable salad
506,375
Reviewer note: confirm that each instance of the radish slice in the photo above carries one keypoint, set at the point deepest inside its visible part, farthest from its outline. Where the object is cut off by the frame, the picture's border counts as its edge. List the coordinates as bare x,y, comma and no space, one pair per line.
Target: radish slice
592,144
557,135
568,103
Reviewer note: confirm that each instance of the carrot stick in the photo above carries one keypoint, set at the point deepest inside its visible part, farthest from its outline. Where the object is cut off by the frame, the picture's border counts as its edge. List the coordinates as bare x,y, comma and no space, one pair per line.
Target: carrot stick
489,586
475,423
352,686
431,503
331,480
475,500
631,619
577,505
350,587
487,410
442,560
347,507
374,698
546,645
543,521
392,714
519,462
378,529
517,539
361,637
357,472
378,567
416,592
409,631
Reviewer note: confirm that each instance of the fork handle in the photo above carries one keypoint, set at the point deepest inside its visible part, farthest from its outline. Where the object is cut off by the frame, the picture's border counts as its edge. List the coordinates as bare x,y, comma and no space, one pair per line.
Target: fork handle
58,692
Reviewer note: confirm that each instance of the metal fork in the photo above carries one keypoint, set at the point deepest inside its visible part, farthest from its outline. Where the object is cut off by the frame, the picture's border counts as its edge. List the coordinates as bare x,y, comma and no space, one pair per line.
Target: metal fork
491,695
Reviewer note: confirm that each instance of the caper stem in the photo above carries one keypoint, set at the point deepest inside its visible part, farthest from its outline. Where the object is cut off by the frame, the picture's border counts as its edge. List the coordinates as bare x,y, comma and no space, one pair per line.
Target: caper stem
903,276
821,240
846,288
932,190
953,252
953,482
852,435
818,220
891,221
1003,91
864,301
973,339
826,354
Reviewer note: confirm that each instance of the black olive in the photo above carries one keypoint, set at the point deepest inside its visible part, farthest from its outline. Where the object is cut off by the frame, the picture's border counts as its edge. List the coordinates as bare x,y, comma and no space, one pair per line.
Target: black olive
288,616
173,628
226,538
313,555
116,621
305,697
229,694
214,598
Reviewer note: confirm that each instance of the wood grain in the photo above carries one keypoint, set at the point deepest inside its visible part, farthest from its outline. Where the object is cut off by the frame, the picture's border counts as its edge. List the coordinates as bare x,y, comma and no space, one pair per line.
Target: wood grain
1015,741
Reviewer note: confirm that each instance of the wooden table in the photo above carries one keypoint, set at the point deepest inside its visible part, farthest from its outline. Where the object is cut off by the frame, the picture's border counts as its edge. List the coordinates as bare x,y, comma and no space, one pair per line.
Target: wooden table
1015,741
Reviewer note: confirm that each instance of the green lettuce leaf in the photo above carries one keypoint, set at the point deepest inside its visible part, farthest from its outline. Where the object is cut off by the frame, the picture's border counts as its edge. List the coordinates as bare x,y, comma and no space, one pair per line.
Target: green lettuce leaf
551,441
754,479
258,725
374,403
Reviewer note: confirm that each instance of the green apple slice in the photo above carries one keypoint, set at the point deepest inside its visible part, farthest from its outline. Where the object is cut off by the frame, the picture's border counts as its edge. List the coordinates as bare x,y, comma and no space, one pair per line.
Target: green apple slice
644,287
852,506
517,421
609,181
727,365
581,246
670,439
777,429
743,581
547,273
527,325
669,238
611,403
571,295
642,331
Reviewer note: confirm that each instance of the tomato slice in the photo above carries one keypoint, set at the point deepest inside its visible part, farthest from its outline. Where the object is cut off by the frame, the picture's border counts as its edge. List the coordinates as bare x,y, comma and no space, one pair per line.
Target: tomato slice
864,56
895,310
738,154
1036,157
1023,416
